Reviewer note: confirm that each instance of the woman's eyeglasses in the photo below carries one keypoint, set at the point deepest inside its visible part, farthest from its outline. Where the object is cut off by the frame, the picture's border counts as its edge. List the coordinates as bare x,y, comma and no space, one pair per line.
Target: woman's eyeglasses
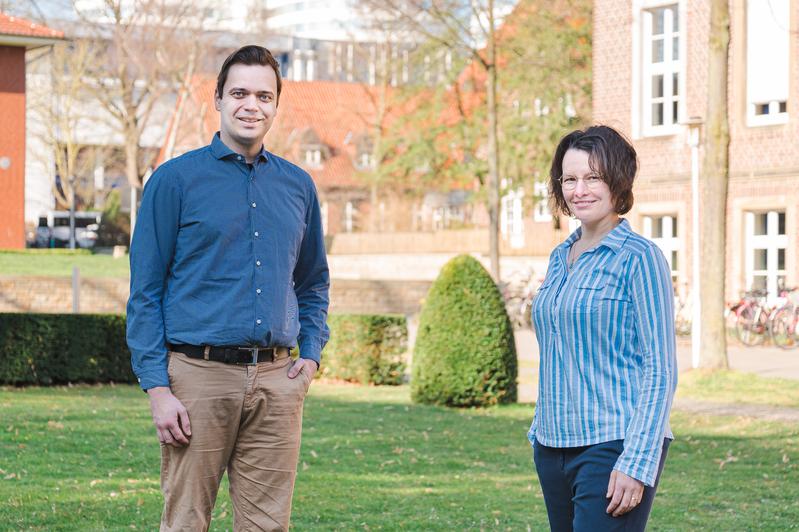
569,182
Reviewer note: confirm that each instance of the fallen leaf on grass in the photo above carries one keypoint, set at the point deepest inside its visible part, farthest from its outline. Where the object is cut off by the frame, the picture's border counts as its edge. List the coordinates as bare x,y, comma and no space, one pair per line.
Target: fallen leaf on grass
730,458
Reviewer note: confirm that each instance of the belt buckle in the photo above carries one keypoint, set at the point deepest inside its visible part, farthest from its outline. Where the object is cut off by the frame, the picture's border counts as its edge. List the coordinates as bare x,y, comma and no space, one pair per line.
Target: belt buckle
254,352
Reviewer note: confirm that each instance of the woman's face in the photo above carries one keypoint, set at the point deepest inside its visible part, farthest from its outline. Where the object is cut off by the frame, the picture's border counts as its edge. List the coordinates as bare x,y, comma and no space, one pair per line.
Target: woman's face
587,195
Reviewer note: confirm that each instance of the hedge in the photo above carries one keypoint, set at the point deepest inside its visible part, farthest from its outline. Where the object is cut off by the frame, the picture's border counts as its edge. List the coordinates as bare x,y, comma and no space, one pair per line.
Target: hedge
62,348
46,349
465,353
369,349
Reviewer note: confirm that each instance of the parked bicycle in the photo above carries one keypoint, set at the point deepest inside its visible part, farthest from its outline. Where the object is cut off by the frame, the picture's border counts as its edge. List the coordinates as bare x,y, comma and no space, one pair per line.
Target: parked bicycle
682,311
756,320
751,317
784,324
518,292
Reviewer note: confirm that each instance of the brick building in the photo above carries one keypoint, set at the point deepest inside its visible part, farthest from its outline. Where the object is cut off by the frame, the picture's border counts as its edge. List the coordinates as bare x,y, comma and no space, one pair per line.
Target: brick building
650,77
16,36
326,127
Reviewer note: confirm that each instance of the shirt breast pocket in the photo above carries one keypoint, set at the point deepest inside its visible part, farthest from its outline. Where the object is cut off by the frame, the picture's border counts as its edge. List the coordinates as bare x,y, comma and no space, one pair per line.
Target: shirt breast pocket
602,292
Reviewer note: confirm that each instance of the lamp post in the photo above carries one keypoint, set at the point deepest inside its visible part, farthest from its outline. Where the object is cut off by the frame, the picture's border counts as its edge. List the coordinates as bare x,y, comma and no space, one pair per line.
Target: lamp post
694,125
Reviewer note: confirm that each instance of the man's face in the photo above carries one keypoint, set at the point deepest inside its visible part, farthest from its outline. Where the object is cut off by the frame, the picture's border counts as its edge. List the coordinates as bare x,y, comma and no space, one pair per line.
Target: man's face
247,106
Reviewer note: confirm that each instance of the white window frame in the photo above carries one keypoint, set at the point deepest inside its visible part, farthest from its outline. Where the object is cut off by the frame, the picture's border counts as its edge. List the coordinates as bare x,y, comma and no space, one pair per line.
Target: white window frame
772,242
313,157
669,242
541,212
324,209
512,217
643,70
349,217
779,36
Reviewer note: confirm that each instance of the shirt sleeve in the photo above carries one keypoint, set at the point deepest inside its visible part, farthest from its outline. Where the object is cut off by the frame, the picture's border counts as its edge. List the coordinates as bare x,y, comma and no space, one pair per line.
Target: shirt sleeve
151,253
653,311
312,285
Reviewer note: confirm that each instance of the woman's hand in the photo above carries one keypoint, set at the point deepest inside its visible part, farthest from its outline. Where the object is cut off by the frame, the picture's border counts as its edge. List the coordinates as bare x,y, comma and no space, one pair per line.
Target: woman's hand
624,492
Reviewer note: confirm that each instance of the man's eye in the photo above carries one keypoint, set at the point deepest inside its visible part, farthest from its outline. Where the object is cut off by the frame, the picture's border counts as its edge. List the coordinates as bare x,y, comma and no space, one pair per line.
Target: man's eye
266,98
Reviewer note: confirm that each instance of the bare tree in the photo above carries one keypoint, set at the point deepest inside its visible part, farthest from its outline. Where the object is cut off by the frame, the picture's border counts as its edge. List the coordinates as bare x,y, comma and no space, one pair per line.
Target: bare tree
149,54
60,103
465,29
715,173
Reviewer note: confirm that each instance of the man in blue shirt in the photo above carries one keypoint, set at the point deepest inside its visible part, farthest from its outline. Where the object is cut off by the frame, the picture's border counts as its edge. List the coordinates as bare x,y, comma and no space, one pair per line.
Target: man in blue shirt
228,273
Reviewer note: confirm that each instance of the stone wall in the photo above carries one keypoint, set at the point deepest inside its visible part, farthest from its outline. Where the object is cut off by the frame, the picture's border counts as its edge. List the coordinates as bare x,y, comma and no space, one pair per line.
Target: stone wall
54,294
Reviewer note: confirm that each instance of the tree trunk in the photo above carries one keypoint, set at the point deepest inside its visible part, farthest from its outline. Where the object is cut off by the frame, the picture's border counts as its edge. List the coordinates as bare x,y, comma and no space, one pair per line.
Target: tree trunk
132,156
493,151
715,171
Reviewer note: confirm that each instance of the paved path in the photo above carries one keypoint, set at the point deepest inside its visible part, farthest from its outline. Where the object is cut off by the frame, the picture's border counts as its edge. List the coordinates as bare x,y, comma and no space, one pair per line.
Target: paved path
766,361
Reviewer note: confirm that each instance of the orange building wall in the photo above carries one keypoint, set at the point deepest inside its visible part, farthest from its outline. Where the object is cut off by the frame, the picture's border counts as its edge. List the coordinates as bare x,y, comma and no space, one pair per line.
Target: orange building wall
12,146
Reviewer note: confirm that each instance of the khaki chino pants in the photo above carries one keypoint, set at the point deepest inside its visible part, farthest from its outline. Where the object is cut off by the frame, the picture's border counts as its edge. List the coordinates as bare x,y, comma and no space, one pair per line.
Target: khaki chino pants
246,419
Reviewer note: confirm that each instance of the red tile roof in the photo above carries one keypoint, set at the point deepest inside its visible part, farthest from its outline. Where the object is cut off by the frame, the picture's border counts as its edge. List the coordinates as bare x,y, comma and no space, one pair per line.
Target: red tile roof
336,112
19,26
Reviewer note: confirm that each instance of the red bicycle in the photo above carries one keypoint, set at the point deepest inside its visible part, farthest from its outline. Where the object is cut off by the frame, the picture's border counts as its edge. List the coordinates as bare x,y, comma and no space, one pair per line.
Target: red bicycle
755,320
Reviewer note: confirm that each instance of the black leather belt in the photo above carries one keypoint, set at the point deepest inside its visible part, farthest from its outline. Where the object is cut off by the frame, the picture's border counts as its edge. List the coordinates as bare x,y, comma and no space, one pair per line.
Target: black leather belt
232,354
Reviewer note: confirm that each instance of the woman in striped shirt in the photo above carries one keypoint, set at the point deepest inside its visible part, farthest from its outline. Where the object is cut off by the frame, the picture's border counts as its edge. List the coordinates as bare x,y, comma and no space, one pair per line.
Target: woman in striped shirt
605,328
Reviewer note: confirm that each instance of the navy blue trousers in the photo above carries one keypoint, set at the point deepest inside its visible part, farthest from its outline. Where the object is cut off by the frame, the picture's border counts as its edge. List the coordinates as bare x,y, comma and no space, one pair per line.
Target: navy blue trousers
575,482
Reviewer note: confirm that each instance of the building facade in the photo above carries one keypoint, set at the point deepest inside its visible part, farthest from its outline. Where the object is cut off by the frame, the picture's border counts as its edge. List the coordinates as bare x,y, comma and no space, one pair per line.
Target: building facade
16,36
651,80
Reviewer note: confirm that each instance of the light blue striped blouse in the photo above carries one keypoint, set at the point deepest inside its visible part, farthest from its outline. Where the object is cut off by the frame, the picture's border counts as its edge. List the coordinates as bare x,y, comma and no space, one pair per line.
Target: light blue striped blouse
608,367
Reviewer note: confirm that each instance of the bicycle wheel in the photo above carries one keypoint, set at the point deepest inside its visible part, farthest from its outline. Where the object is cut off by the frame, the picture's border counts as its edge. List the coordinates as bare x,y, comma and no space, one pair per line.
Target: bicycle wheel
752,325
784,328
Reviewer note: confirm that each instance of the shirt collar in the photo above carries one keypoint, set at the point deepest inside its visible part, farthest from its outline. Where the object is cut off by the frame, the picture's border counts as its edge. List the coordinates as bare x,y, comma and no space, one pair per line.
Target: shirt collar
220,150
613,240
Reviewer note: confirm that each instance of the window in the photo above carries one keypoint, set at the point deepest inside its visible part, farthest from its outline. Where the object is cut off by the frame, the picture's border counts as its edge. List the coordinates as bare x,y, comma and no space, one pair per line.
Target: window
662,230
324,209
661,70
350,214
767,65
313,157
541,211
511,218
766,242
364,149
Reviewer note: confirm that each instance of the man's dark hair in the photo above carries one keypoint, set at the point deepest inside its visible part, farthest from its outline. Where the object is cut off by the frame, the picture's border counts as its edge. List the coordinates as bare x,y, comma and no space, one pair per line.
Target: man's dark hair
610,155
249,55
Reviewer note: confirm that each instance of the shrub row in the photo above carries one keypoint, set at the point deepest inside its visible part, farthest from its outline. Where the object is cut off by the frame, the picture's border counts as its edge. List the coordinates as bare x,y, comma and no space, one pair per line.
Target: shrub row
369,349
60,348
49,349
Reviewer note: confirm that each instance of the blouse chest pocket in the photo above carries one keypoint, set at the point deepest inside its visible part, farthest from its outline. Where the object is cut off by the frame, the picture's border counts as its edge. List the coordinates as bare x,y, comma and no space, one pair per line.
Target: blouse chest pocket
600,292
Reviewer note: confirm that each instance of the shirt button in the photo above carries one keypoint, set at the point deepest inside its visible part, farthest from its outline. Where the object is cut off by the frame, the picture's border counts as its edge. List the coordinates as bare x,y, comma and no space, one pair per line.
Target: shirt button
258,321
257,290
256,233
239,157
258,263
253,204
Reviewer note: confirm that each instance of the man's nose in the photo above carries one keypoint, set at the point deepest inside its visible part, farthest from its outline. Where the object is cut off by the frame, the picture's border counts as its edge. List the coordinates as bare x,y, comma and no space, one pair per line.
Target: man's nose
251,101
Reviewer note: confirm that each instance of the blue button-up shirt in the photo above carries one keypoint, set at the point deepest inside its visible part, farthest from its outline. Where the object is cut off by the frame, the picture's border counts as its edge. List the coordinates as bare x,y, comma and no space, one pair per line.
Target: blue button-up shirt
226,253
608,367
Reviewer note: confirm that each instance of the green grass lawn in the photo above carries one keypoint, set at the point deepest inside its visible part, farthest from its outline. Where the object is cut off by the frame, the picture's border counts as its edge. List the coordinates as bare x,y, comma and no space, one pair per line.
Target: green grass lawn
86,458
60,264
737,387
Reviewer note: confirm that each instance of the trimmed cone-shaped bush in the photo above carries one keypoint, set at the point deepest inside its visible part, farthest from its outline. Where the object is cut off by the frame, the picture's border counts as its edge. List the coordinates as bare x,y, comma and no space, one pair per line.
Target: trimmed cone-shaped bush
464,353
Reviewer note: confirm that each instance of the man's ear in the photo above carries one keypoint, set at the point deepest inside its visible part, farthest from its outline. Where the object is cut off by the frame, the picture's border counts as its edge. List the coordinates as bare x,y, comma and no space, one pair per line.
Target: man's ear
217,101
